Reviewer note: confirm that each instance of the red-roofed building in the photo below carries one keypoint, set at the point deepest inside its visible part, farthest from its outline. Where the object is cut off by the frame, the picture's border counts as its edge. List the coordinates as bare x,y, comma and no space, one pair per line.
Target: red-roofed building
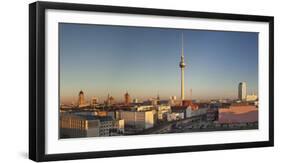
189,103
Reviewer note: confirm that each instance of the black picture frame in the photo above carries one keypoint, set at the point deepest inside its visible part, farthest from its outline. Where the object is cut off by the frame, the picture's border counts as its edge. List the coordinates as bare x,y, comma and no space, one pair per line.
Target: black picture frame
37,80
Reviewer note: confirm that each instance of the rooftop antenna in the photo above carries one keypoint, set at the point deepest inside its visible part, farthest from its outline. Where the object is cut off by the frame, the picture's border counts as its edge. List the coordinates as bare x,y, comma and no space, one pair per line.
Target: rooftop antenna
182,49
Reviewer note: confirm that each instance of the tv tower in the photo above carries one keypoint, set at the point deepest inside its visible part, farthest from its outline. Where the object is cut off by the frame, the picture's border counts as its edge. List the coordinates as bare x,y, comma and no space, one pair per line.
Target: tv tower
182,66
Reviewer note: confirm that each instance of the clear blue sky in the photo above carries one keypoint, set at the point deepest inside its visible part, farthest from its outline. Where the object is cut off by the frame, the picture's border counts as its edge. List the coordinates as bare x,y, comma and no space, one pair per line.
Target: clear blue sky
145,61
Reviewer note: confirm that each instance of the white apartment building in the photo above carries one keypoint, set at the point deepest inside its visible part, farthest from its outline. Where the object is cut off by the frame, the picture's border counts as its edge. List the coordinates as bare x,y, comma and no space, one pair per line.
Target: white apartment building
138,119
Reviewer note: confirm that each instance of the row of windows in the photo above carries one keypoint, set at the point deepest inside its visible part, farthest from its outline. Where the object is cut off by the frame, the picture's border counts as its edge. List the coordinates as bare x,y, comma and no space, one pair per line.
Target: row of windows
73,123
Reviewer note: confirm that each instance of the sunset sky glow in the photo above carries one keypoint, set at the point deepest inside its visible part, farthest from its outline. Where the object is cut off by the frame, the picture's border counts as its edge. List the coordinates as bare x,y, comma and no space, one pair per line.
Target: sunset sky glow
144,61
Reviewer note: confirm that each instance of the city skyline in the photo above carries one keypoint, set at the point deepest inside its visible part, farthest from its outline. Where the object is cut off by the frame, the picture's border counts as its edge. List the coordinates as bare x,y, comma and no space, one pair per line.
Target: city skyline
102,60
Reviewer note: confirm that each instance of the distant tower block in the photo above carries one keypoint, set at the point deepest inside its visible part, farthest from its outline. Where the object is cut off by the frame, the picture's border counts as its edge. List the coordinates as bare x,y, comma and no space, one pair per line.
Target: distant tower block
242,91
135,100
81,98
182,66
127,98
94,101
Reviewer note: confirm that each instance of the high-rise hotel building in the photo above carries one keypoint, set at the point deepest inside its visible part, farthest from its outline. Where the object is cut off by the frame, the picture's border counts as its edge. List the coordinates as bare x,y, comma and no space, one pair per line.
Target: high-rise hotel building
242,91
81,98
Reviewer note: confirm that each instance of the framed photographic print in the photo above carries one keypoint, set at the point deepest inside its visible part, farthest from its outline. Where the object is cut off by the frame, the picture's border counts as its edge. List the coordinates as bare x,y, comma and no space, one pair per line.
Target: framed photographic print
110,81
